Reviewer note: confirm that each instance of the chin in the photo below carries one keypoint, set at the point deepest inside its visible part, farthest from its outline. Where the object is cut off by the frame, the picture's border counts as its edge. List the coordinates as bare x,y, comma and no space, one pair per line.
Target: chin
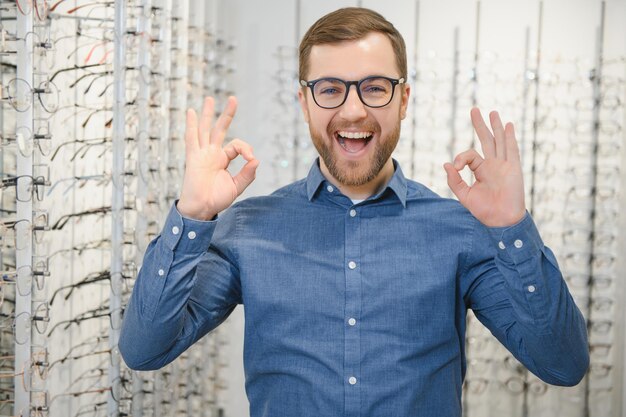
354,173
363,169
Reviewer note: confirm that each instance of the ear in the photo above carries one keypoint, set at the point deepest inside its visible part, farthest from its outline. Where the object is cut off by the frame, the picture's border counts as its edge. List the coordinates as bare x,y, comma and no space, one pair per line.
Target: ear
406,92
304,103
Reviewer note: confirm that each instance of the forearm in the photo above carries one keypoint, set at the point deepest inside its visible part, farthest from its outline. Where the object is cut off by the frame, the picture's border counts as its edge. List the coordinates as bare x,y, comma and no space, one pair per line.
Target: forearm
525,302
157,324
547,328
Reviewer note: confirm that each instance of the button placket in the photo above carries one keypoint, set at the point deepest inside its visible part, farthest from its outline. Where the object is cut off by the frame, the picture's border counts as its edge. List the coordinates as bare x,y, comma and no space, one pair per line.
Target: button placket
352,310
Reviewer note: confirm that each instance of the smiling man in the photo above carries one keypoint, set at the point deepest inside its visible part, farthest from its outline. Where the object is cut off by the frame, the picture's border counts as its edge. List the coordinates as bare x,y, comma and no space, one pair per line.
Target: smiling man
356,281
355,130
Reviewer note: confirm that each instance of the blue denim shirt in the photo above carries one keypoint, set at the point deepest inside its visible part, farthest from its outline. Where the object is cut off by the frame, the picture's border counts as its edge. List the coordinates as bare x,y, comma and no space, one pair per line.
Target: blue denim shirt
354,309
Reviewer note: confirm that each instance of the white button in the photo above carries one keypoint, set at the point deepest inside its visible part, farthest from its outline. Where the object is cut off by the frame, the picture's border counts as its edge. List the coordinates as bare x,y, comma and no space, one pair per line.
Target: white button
352,213
531,288
191,235
351,264
352,380
330,188
518,243
175,230
351,321
501,245
161,272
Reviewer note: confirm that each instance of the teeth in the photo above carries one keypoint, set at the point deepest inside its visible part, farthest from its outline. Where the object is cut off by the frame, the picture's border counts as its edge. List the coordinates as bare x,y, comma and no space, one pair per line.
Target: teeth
355,135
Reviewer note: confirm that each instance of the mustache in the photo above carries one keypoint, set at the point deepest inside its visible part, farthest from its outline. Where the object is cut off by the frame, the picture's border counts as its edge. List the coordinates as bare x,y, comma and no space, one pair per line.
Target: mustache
368,125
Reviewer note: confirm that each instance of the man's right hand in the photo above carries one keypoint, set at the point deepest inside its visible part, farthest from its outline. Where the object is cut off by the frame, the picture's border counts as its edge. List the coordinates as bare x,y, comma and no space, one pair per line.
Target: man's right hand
208,187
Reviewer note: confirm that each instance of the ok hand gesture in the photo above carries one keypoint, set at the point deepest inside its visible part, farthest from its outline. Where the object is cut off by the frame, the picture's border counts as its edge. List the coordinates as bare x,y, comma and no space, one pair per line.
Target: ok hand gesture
208,187
496,198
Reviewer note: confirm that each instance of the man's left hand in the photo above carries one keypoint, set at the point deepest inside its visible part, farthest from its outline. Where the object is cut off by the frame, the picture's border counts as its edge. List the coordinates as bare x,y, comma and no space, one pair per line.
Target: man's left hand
496,198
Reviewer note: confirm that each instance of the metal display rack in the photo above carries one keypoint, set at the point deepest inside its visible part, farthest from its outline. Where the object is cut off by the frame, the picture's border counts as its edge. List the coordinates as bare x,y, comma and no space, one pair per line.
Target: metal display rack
92,120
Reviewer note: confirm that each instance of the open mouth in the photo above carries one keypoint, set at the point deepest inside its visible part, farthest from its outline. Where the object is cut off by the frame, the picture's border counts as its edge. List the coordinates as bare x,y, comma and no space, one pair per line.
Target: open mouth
353,142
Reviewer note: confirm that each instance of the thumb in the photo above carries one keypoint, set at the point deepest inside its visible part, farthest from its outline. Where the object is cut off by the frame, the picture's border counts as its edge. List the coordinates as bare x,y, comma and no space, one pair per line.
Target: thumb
246,175
458,186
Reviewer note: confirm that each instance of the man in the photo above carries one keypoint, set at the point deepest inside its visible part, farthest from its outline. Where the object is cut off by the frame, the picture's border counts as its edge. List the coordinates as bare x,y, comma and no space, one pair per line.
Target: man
355,280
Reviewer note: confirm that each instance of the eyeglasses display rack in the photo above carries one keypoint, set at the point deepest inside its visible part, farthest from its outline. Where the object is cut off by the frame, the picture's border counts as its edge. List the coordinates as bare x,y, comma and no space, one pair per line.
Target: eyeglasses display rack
92,154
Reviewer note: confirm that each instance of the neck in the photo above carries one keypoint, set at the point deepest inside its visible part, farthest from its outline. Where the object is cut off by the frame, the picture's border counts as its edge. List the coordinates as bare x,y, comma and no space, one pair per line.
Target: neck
361,192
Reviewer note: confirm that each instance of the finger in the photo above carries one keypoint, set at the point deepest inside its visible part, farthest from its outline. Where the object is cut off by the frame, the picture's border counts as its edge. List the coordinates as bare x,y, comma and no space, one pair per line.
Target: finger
512,147
470,158
498,133
204,128
223,122
484,134
238,147
455,182
245,177
191,131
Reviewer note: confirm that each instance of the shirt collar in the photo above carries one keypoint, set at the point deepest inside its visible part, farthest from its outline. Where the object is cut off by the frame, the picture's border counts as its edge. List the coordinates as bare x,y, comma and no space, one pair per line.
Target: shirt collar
397,183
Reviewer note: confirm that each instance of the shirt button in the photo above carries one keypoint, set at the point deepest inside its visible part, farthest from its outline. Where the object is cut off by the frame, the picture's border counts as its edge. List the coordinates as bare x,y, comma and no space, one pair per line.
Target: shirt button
518,243
501,245
175,230
351,264
330,188
161,272
191,235
352,380
352,321
531,288
352,213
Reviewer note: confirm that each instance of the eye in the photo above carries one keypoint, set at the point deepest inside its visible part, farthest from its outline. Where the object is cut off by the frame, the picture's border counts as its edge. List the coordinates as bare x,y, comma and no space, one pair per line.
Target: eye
374,89
329,91
376,86
329,88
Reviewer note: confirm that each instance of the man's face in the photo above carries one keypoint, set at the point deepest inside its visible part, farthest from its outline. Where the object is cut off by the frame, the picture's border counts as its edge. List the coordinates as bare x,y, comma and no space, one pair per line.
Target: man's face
338,133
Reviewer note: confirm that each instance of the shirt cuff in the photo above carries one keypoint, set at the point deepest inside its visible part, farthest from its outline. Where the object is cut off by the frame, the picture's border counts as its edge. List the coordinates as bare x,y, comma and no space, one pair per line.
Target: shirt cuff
518,243
184,234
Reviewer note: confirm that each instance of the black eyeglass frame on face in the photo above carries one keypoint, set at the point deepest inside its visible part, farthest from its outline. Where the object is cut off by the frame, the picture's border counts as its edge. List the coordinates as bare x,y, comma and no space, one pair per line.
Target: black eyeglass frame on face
394,81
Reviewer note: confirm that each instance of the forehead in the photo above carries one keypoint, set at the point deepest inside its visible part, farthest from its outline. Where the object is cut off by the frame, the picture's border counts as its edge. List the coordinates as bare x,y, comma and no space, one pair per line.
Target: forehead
353,60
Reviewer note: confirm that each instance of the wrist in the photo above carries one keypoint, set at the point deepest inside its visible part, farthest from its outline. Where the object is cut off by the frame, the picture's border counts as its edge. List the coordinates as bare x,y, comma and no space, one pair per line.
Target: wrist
193,213
508,221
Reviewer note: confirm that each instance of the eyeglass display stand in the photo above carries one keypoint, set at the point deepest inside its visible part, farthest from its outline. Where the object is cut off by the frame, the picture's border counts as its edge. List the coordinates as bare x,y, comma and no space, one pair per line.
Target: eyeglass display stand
24,210
165,70
29,396
594,162
619,397
144,26
117,206
533,155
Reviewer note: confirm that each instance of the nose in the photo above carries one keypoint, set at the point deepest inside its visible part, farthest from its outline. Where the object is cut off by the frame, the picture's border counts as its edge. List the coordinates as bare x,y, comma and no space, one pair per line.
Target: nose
353,108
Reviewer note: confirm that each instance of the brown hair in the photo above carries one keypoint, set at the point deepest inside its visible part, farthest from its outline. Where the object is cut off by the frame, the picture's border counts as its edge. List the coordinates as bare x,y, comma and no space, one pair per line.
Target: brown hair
348,24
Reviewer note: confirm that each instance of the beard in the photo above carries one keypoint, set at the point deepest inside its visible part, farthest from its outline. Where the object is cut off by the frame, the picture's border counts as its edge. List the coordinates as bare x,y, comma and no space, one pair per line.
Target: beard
356,173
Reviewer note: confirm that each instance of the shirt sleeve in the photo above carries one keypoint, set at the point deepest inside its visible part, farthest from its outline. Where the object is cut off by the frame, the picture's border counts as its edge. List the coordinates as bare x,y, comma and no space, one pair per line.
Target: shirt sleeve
515,288
188,284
